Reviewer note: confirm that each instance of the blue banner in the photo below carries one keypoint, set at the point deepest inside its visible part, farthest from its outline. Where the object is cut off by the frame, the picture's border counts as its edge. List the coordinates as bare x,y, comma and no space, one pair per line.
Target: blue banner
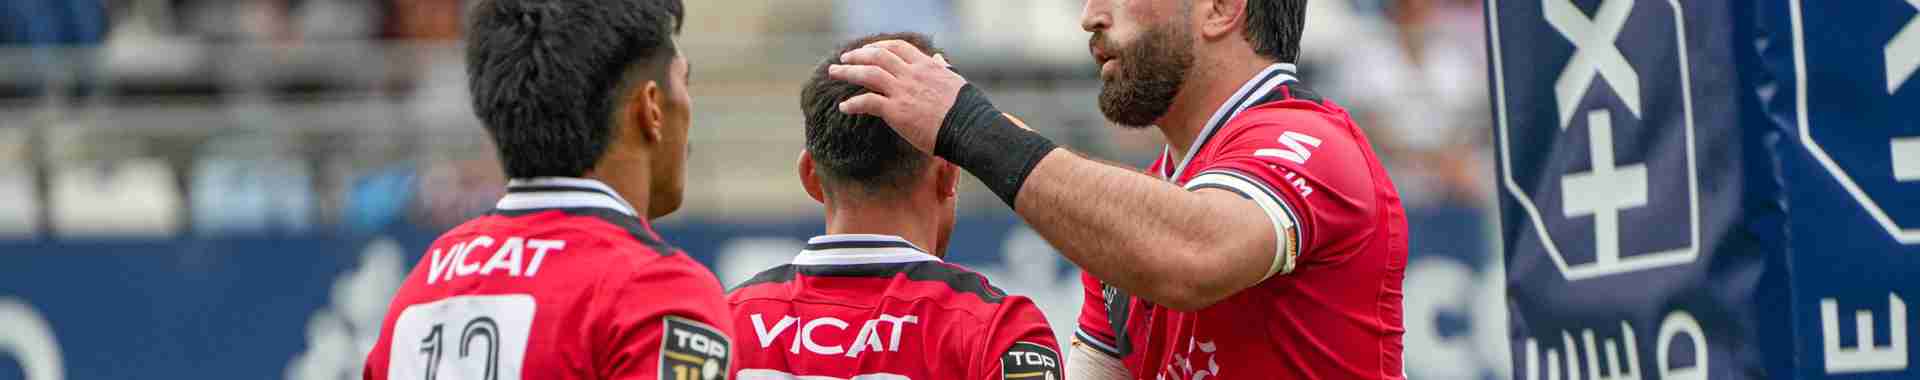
1791,124
1844,95
1625,176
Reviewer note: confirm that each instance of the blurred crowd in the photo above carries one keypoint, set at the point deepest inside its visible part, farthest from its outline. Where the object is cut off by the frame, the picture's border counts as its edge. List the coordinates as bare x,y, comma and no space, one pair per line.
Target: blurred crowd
179,39
284,115
73,21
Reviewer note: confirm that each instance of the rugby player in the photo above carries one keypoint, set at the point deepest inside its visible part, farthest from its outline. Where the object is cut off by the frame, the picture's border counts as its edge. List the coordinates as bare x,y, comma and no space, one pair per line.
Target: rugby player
586,102
1267,240
872,298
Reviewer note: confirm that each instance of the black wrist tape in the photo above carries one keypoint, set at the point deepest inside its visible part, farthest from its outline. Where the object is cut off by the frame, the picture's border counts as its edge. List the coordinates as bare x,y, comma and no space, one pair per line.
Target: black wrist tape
978,137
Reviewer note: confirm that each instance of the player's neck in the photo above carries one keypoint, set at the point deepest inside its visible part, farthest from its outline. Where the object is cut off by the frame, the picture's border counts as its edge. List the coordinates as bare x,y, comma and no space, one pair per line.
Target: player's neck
629,180
1209,85
904,221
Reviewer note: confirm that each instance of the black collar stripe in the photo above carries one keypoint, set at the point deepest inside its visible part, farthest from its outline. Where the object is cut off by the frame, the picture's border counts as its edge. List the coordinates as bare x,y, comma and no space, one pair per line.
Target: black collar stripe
540,197
1291,91
850,244
956,279
1298,91
555,189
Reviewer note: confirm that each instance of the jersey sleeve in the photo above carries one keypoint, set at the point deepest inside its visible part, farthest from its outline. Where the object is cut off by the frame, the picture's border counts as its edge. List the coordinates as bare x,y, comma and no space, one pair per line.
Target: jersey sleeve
1306,171
1019,345
668,321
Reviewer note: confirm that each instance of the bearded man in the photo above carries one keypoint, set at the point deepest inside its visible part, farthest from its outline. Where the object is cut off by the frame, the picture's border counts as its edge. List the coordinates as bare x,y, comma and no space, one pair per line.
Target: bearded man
1267,240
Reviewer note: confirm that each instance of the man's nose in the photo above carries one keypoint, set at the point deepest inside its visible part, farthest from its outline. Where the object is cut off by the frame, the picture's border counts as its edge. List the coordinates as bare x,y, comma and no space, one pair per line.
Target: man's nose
1094,16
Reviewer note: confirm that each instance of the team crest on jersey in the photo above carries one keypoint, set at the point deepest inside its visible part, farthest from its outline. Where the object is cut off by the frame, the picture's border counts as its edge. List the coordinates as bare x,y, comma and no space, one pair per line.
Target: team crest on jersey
1030,361
692,350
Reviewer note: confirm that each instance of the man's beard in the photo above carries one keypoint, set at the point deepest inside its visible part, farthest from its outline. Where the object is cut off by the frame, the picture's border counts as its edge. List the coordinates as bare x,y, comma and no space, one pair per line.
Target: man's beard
1151,71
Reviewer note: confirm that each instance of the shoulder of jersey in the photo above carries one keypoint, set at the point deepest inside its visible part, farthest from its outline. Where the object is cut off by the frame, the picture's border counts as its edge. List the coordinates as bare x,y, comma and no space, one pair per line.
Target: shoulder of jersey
960,280
1291,100
1312,116
607,240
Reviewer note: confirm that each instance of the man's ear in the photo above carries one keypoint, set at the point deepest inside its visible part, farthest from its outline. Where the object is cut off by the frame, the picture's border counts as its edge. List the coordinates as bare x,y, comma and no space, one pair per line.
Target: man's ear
1220,18
648,109
946,179
808,180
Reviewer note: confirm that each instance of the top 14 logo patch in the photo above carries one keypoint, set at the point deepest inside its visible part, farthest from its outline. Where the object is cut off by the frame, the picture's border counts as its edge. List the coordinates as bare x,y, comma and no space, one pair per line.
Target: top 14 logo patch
691,350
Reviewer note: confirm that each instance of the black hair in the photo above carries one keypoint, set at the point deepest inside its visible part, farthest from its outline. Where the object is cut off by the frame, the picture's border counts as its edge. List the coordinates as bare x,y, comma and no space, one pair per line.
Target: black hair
1273,27
546,75
857,150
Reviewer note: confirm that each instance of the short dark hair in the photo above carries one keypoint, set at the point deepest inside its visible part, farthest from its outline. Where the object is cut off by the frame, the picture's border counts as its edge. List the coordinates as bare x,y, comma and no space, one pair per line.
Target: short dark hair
546,74
1273,27
857,150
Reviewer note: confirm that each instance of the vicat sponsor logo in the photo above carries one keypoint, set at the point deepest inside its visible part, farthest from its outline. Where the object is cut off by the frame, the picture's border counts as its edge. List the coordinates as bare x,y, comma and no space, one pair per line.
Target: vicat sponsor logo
804,331
510,258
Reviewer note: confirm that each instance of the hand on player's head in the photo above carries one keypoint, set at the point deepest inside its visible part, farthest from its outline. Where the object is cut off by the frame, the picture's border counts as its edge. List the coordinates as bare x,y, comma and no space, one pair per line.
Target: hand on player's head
859,152
911,90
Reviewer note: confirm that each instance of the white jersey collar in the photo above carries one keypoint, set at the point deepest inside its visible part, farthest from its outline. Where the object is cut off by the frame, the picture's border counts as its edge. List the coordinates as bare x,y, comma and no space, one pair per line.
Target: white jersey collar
1255,89
562,192
855,249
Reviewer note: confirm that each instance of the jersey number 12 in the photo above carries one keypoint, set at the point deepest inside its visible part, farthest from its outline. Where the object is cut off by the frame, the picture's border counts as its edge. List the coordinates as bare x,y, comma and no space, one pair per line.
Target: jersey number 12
486,335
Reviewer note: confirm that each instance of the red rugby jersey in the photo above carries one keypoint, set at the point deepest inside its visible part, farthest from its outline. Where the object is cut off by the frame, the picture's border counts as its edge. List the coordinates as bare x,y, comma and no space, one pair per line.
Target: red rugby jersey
562,281
1332,307
874,307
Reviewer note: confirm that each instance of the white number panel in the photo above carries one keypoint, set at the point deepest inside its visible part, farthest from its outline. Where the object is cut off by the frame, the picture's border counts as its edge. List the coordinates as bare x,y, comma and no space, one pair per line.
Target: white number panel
463,337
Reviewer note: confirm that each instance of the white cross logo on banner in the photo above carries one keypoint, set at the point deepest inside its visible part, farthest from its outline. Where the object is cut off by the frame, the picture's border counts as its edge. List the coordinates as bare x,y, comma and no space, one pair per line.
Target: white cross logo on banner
1593,54
1603,191
1614,182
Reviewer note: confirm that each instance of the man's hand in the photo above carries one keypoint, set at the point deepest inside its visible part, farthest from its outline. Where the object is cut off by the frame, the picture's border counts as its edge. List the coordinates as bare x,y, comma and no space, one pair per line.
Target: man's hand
911,90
